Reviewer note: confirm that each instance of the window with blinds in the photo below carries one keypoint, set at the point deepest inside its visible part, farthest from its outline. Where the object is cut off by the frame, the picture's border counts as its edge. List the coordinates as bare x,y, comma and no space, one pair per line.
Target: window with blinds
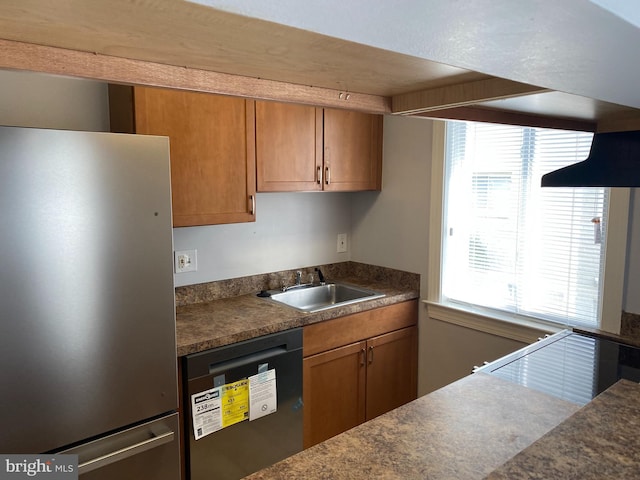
510,244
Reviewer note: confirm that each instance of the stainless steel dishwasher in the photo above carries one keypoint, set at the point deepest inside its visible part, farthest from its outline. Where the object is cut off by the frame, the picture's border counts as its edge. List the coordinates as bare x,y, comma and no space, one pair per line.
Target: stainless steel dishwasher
234,451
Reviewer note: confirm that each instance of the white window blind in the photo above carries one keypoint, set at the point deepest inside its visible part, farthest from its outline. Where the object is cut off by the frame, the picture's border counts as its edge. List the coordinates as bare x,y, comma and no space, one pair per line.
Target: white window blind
510,244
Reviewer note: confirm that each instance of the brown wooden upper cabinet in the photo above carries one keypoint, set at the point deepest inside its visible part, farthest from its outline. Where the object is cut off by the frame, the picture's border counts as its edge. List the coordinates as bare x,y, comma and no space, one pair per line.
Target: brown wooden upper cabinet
212,148
302,148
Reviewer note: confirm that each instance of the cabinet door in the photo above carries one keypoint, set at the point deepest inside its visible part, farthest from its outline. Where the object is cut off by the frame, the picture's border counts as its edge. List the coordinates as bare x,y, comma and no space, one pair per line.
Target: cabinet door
333,392
392,376
352,150
212,143
288,147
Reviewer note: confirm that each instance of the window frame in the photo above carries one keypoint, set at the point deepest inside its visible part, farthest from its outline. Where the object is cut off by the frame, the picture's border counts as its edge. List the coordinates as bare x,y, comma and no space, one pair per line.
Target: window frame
515,326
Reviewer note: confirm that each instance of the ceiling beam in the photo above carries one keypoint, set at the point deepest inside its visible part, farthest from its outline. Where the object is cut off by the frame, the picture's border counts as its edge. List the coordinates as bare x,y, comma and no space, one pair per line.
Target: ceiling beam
481,114
94,66
460,95
620,121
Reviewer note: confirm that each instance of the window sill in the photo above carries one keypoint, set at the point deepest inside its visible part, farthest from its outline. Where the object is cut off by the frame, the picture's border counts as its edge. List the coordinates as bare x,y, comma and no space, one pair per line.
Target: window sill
522,329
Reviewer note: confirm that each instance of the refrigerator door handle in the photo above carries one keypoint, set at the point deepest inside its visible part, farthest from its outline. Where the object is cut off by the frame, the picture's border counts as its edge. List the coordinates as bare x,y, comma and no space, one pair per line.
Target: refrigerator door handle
156,440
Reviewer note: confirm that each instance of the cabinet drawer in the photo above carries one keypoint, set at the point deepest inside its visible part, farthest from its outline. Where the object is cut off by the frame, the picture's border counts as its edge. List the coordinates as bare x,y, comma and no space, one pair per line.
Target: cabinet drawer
337,332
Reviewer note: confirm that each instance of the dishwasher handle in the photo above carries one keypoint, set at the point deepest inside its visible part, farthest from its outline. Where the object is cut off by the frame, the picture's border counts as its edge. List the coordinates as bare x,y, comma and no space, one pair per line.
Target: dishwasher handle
238,354
248,359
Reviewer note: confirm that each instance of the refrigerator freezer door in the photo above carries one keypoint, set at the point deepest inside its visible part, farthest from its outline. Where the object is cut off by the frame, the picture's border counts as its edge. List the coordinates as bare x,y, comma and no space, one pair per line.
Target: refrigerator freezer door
150,450
87,318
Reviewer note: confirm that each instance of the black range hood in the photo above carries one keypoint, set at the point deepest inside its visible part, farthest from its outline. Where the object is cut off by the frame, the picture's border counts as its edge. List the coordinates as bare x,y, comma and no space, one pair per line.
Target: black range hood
614,161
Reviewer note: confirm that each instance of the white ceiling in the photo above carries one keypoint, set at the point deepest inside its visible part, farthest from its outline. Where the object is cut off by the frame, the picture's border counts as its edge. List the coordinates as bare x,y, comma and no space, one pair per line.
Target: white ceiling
572,46
626,9
561,63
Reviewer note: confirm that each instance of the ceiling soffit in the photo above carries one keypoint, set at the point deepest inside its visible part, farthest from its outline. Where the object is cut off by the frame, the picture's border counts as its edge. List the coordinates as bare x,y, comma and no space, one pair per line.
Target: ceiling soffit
273,59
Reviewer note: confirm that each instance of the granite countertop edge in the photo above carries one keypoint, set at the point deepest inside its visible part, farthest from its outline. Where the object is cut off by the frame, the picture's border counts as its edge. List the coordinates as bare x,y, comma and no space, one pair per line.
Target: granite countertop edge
225,321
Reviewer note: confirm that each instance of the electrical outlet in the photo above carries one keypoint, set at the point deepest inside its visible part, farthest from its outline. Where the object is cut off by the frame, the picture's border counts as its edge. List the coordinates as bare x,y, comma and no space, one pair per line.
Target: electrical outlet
186,261
342,243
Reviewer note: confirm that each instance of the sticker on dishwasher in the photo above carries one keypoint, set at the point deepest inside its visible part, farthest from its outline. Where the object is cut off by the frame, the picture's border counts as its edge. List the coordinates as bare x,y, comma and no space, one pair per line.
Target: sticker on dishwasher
219,407
262,394
206,412
235,402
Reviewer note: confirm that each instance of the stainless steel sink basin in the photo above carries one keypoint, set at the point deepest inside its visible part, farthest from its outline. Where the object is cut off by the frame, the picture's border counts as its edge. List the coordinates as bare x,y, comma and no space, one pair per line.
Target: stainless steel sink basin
322,297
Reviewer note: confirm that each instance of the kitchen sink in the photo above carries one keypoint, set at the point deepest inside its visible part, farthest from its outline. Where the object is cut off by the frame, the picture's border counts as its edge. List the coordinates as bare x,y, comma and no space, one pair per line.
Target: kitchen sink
322,297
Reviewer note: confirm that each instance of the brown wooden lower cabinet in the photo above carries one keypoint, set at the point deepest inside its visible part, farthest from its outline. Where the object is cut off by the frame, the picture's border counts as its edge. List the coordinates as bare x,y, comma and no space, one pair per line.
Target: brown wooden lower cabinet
392,371
334,392
349,384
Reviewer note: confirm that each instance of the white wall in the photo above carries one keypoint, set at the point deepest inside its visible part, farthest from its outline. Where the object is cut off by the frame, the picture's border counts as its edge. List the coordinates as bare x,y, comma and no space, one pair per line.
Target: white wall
631,301
47,101
291,230
450,351
390,228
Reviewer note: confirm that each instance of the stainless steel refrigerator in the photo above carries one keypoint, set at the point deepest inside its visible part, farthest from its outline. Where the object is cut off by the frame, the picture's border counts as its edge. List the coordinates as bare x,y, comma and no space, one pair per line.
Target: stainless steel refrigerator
87,318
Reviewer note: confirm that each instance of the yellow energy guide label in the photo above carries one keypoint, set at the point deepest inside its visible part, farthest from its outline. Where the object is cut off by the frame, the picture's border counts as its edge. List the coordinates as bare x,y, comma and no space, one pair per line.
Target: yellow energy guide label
247,399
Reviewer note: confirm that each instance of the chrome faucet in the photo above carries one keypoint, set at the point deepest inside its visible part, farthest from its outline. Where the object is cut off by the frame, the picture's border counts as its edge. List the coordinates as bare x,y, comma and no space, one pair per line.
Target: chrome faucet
299,283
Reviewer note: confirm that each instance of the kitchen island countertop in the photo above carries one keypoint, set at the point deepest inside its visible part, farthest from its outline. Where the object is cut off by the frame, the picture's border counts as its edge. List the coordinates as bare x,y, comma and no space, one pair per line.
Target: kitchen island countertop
599,441
463,431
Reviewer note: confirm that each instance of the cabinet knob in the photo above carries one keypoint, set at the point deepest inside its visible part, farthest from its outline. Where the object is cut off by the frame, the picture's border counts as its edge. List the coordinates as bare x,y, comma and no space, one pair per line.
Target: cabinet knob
252,208
363,354
370,355
327,176
319,175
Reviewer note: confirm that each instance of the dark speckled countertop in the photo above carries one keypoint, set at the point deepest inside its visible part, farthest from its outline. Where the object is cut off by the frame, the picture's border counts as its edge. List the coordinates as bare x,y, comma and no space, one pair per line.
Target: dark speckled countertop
462,431
215,319
482,427
599,442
